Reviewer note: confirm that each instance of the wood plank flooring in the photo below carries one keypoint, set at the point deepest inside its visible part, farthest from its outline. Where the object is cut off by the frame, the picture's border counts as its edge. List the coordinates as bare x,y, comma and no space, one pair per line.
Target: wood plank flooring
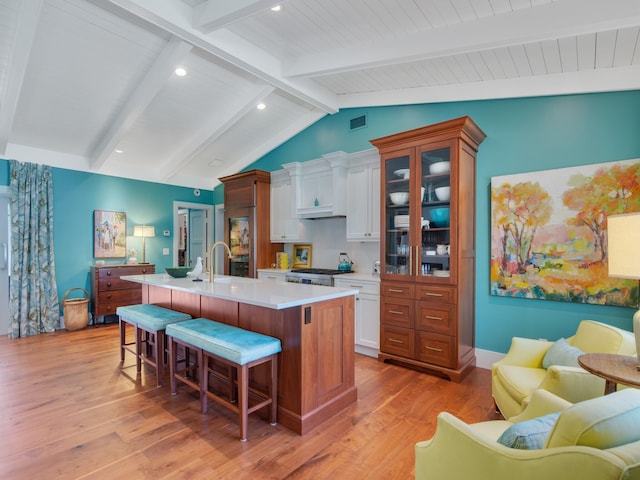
69,411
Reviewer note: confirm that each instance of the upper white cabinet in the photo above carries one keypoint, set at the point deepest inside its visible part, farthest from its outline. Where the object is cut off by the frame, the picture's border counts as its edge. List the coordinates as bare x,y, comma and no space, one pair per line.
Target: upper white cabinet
320,186
285,225
363,197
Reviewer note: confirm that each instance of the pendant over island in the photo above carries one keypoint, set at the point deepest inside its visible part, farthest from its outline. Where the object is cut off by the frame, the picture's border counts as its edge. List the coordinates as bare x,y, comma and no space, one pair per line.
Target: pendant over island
315,325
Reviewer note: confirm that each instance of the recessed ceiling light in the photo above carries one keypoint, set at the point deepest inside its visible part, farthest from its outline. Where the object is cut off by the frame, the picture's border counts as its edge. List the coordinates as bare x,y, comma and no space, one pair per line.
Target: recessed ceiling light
216,162
119,151
261,106
181,72
276,8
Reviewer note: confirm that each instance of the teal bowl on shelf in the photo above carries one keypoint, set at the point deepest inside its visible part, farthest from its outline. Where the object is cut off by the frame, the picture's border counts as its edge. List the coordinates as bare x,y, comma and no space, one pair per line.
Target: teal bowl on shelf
178,272
440,217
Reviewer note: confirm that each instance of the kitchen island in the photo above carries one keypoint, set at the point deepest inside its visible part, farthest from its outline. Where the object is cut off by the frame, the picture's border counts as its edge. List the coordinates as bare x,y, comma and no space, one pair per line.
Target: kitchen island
315,325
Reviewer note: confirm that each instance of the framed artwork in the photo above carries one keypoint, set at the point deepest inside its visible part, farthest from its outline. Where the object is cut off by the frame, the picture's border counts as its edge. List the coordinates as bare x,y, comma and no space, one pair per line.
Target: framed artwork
109,234
239,240
549,233
302,256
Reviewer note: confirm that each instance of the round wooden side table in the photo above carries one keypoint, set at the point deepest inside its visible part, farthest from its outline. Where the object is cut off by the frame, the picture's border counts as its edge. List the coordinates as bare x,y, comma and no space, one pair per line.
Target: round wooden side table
613,368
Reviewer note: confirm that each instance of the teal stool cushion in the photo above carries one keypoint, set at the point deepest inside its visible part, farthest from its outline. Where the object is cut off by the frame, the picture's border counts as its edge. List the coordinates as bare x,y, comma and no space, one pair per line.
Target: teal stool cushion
231,343
151,317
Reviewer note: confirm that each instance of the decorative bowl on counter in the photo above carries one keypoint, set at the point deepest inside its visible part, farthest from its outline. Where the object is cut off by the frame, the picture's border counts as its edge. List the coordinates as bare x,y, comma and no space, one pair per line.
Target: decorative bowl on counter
440,217
443,193
178,272
439,167
399,198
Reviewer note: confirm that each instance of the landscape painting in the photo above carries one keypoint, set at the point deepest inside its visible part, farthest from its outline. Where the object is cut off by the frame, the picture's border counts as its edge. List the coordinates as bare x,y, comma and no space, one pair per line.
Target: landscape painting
549,233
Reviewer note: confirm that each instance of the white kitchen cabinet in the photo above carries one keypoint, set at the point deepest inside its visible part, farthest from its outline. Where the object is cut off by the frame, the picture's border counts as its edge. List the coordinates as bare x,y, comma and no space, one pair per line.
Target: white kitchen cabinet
285,225
272,274
320,186
367,315
363,197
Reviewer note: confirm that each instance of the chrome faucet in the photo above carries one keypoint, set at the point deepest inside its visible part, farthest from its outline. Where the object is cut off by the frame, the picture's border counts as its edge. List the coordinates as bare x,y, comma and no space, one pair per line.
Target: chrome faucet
212,258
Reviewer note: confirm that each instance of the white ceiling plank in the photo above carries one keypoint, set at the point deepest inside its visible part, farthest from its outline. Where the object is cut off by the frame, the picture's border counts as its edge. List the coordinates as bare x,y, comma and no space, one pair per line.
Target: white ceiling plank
556,20
626,42
588,81
551,55
215,14
586,48
536,58
605,48
212,130
568,54
25,34
146,90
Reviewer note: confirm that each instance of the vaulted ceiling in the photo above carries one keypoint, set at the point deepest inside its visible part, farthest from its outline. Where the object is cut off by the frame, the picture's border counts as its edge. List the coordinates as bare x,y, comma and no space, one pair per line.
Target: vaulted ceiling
91,84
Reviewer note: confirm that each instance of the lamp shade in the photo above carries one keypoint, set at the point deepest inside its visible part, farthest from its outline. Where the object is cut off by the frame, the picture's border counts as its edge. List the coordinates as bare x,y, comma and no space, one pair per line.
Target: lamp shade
144,231
623,238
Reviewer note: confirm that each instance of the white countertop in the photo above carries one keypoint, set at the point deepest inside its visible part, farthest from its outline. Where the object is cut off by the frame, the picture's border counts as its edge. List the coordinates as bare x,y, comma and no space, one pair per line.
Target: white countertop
263,293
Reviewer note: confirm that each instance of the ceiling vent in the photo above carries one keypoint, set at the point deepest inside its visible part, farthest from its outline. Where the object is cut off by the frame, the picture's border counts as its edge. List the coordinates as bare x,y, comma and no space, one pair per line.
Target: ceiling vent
358,122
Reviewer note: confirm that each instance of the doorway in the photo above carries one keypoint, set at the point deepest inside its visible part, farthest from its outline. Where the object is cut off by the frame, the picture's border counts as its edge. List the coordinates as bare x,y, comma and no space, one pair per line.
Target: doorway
193,232
5,251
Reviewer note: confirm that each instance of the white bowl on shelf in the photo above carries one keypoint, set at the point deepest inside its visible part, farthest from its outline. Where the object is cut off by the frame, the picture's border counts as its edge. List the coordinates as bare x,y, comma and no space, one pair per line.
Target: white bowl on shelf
403,173
443,193
439,167
399,198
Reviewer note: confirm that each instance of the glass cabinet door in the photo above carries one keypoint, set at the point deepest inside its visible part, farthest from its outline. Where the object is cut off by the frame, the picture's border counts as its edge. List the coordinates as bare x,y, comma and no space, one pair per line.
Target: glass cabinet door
434,244
397,226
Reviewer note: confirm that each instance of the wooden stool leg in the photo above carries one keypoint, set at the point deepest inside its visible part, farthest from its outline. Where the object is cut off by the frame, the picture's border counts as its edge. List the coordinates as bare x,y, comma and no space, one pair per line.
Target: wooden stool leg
243,400
204,380
138,332
159,354
173,360
274,390
123,337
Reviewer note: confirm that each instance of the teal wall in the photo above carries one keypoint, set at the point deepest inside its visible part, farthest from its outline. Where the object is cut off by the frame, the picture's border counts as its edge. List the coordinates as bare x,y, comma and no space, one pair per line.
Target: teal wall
523,135
77,194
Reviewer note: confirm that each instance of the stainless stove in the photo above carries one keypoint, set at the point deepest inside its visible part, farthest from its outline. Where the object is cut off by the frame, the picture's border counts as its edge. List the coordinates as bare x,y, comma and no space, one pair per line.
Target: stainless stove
313,276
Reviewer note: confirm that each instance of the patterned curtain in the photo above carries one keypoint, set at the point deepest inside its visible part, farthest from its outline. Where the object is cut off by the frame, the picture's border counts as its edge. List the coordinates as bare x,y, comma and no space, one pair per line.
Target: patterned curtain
33,297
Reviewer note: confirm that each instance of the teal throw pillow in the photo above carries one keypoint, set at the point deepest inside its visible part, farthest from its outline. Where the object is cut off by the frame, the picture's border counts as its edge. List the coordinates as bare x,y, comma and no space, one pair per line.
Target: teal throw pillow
530,434
561,353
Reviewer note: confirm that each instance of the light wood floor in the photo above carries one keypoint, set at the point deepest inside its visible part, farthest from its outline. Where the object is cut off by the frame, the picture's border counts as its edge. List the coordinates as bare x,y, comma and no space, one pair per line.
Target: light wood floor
69,411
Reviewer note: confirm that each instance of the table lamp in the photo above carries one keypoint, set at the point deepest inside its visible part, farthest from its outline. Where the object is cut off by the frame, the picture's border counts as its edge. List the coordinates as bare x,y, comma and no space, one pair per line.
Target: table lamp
144,231
623,237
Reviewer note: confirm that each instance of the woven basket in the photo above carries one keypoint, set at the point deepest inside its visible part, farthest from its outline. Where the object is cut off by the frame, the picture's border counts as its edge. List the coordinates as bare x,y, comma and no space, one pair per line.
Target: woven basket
75,310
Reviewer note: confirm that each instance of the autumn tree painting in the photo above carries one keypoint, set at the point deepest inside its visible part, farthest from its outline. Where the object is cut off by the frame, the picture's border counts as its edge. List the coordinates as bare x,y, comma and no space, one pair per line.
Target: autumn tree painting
548,233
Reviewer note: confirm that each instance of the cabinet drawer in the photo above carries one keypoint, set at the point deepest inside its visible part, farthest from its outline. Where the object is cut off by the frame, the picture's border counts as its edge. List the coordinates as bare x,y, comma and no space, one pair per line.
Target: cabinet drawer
116,272
116,284
110,307
436,317
364,286
130,295
396,311
436,349
397,341
436,293
400,290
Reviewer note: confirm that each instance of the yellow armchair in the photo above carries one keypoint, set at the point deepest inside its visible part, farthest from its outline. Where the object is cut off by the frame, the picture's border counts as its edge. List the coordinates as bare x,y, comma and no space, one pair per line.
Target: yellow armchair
598,439
521,371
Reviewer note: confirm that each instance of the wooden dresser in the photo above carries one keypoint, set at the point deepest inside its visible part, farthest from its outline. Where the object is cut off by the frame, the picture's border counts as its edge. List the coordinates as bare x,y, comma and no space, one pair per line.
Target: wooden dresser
108,291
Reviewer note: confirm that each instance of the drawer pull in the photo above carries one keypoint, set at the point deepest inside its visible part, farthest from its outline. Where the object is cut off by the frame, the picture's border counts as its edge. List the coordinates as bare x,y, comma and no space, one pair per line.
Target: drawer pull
393,340
433,294
108,274
396,290
108,284
431,317
356,286
109,296
396,312
434,349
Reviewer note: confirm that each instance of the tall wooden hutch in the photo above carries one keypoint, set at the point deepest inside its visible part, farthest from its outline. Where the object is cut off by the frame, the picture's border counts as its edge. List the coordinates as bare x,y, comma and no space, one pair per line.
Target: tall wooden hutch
247,223
427,307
